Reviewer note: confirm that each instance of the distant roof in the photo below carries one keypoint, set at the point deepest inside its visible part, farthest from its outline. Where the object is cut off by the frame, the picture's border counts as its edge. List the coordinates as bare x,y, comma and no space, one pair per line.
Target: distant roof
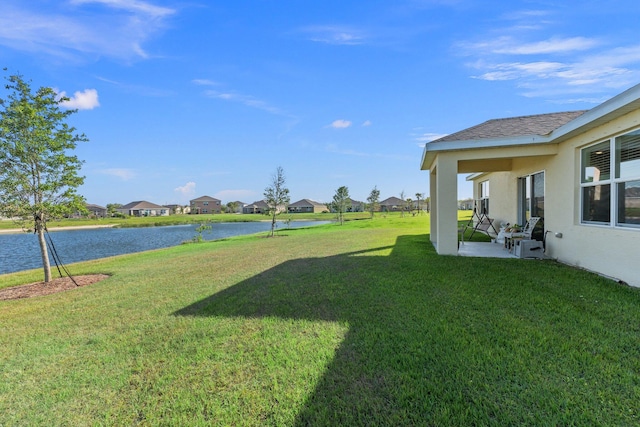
92,206
539,124
258,203
306,202
205,199
142,204
392,201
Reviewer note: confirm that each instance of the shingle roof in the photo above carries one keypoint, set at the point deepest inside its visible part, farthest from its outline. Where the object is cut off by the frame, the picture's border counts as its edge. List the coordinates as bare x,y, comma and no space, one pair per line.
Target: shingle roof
205,199
305,202
392,201
141,204
540,124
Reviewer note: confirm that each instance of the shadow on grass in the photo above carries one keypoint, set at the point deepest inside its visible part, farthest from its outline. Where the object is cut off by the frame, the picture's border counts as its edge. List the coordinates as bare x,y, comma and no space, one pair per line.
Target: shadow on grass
450,340
364,383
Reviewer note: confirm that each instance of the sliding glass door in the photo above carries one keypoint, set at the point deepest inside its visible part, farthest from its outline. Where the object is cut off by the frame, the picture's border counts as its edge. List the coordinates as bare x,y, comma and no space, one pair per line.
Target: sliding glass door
530,197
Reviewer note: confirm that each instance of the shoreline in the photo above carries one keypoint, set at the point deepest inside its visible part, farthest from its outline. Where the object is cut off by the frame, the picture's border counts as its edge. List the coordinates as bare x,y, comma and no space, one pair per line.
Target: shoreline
70,227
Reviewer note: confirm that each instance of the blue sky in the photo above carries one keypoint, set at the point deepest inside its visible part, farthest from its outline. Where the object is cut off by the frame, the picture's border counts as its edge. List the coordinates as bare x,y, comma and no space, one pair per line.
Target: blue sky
181,99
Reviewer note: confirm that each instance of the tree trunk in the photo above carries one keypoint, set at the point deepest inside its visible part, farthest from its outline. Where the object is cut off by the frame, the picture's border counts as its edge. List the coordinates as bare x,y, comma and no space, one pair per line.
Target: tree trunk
43,251
273,224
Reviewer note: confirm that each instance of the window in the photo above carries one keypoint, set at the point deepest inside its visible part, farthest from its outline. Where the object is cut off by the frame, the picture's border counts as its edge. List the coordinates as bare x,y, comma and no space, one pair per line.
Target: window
612,198
484,197
530,197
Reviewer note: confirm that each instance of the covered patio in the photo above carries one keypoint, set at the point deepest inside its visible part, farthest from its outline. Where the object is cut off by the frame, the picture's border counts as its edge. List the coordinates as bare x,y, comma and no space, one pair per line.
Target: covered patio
484,250
502,146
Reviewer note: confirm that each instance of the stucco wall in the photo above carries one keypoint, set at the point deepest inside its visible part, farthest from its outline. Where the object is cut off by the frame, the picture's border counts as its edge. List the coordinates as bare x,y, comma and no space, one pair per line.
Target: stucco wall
607,250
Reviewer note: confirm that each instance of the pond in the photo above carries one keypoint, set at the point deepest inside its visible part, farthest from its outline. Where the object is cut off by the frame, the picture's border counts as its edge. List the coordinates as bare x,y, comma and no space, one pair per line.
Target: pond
21,252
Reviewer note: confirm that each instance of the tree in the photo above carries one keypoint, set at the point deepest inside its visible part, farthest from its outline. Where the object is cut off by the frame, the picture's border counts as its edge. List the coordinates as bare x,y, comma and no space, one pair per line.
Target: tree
112,208
276,196
232,207
341,202
38,175
409,204
402,206
418,197
373,199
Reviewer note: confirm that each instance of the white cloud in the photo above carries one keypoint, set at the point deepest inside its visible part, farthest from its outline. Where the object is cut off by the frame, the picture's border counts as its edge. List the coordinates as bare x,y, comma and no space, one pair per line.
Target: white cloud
553,45
118,30
510,46
132,6
204,82
340,124
85,100
187,190
333,34
367,123
427,137
122,173
247,100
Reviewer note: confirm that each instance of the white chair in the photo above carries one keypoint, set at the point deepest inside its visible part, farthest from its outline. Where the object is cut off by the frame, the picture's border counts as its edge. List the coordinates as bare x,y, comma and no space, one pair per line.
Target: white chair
511,236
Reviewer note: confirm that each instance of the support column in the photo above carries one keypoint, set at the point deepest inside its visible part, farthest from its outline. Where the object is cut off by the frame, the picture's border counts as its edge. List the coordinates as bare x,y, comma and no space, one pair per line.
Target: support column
447,205
433,207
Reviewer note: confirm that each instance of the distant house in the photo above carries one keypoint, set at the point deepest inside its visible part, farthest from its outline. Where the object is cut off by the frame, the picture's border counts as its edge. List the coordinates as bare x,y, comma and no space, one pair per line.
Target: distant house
176,209
205,205
392,204
143,208
96,210
306,206
465,205
355,206
258,207
238,206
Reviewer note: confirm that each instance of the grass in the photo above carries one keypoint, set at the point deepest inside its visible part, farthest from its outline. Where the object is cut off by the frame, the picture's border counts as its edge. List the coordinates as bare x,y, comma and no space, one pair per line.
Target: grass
360,324
152,221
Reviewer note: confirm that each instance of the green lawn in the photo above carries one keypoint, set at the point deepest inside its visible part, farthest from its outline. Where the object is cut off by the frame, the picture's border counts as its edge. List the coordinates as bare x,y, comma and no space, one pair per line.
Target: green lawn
361,324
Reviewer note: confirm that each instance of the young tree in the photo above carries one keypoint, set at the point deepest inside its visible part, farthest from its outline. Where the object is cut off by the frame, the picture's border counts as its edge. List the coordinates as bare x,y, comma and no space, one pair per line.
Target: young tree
276,195
373,199
341,202
409,205
418,197
112,208
38,175
402,206
232,207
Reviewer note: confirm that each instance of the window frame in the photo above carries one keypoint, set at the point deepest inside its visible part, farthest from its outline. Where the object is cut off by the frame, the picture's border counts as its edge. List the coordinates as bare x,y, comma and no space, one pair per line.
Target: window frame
611,183
483,196
526,187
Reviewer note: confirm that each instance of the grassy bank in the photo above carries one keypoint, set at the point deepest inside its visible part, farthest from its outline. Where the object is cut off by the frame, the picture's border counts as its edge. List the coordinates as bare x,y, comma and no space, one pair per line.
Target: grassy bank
154,221
361,324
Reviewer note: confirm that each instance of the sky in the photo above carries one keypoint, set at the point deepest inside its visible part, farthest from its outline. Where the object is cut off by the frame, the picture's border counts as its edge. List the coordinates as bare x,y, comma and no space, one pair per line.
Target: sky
181,99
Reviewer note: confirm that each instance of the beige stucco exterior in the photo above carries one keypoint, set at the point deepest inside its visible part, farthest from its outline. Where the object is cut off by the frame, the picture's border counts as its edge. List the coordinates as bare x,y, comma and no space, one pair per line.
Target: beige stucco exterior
608,250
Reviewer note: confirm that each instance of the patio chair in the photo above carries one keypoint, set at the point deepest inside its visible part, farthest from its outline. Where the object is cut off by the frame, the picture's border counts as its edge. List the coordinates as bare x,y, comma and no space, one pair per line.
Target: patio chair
511,236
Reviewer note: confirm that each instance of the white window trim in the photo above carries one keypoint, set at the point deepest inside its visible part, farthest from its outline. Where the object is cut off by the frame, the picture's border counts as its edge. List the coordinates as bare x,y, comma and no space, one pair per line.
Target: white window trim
612,182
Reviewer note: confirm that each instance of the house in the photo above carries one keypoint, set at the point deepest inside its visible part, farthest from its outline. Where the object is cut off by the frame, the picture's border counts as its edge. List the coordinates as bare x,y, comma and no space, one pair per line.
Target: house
392,204
578,170
205,205
238,206
143,208
176,209
355,206
258,207
307,206
96,210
